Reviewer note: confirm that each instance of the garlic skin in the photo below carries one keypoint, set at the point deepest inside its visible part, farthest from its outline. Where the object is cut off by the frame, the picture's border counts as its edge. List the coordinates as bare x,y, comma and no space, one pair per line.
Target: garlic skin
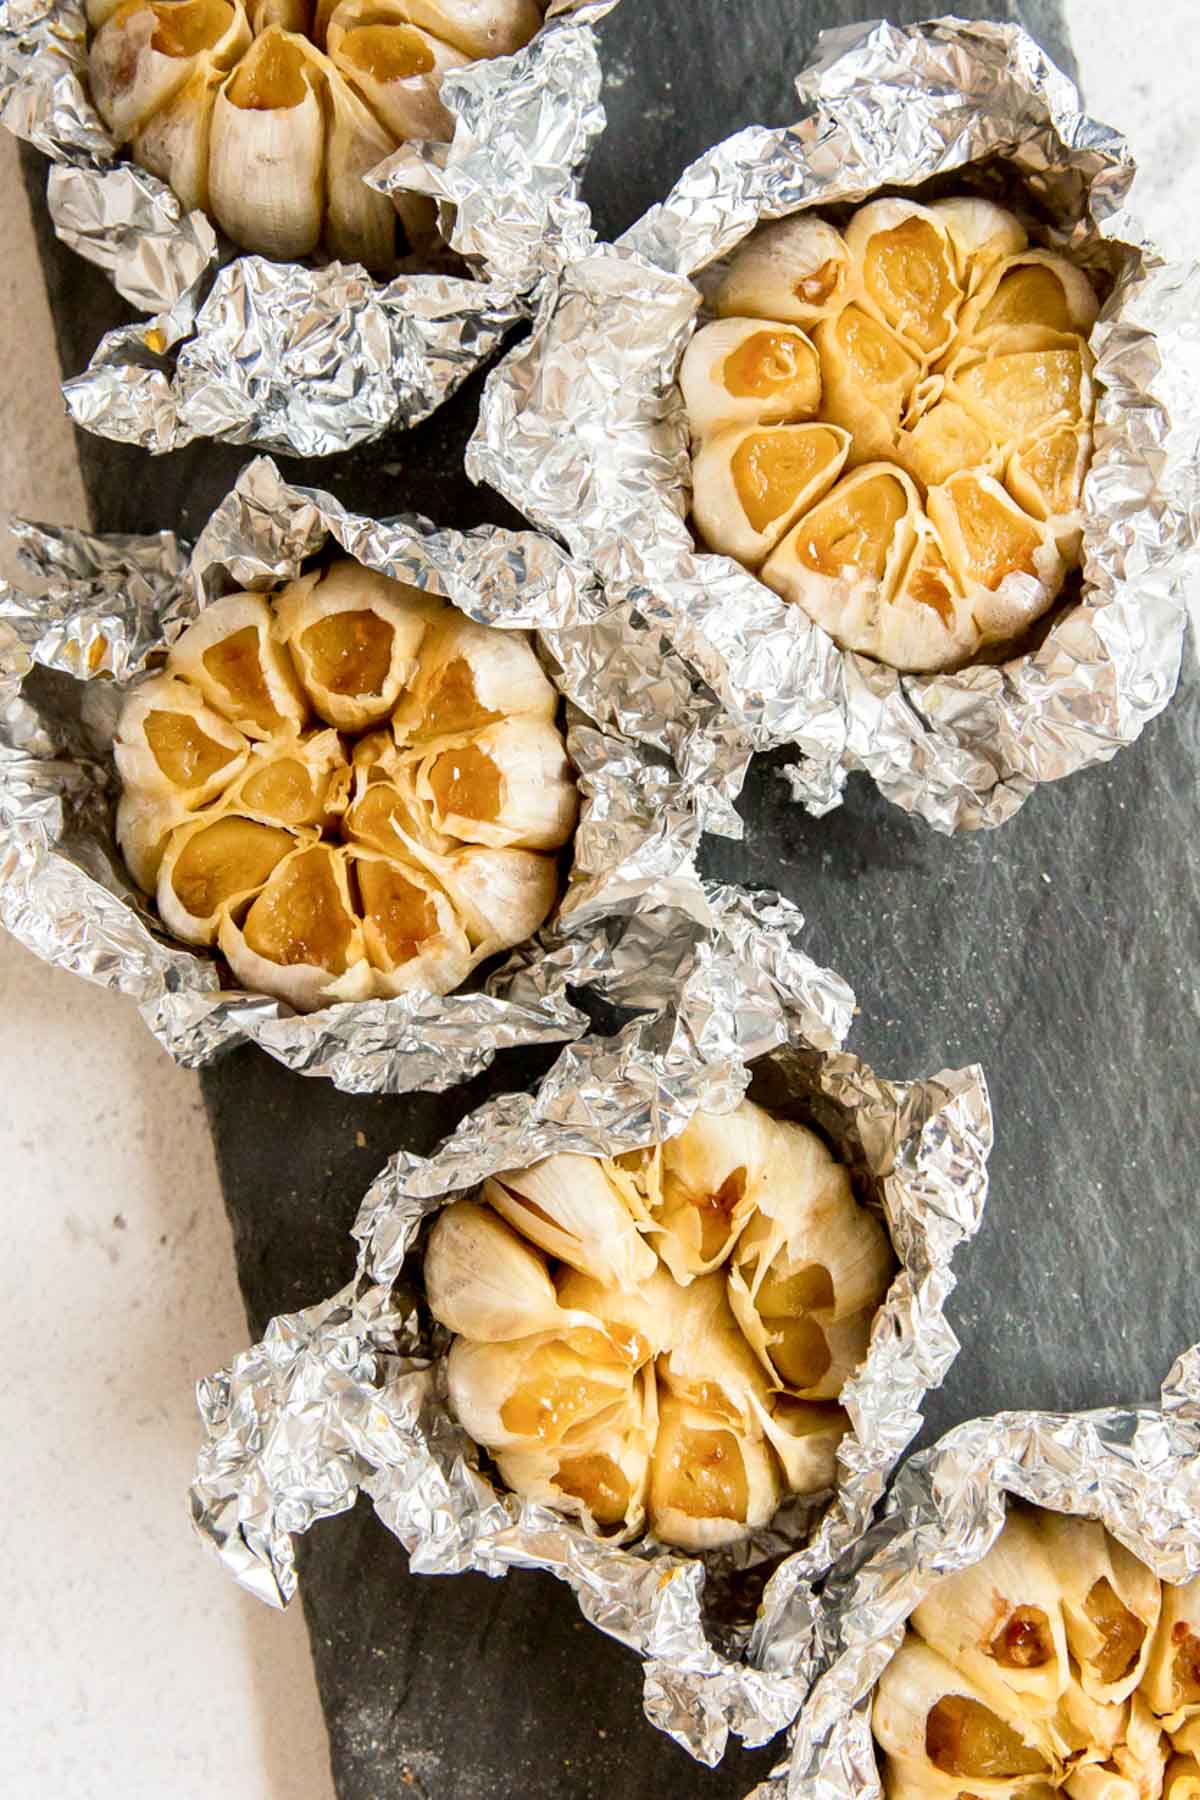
267,160
647,1319
144,825
805,1440
742,372
399,73
1143,1756
796,270
575,1214
144,53
710,1367
502,896
170,744
484,1281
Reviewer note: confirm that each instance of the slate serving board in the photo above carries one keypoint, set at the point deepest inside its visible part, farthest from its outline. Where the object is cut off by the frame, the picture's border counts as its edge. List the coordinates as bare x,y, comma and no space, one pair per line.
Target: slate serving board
1058,952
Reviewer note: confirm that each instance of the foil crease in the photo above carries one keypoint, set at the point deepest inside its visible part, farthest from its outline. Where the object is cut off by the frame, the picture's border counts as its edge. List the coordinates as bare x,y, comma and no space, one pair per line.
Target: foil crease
350,1395
1137,1469
583,428
294,357
106,610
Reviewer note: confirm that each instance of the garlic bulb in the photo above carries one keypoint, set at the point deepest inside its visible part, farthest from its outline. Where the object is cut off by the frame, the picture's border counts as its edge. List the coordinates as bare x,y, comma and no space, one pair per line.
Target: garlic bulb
326,871
929,507
268,116
568,1206
1111,1603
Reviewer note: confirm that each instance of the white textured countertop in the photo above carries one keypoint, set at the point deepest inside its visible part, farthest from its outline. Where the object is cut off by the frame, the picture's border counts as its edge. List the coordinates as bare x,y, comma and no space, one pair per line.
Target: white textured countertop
130,1664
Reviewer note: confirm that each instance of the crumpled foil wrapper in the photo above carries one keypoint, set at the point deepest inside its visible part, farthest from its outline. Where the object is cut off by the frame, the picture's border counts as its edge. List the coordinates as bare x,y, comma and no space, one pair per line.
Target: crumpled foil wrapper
584,429
1135,1469
350,1395
634,906
292,356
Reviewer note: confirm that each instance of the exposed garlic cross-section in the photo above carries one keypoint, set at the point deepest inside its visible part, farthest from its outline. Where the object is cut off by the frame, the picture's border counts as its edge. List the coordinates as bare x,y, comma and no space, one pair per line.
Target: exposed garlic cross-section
326,869
892,425
268,116
607,1357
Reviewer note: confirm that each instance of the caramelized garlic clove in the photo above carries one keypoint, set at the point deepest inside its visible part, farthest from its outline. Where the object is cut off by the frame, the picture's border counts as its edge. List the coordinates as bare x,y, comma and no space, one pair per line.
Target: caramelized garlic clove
1036,288
805,1437
709,1483
394,67
354,636
538,1392
750,483
510,786
795,271
478,28
414,938
1023,384
746,372
170,743
144,825
212,865
482,1280
709,1364
602,1477
1007,564
867,379
982,234
937,1721
468,676
706,1184
294,781
300,939
230,655
267,165
146,51
567,1205
1172,1677
1046,478
908,267
502,896
943,440
1111,1603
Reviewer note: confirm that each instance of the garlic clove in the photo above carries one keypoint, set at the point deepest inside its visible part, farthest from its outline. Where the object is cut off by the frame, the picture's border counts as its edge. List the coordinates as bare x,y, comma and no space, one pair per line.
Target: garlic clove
171,744
808,1357
982,234
1172,1677
502,896
1036,288
212,864
1142,1758
1083,1728
1023,384
478,28
805,1437
483,1281
290,15
709,1484
750,483
510,786
1185,1733
390,816
145,52
143,828
537,1392
710,1366
945,439
903,1781
796,271
704,1185
360,222
908,267
645,1319
745,372
300,939
603,1477
936,1720
1093,1782
567,1205
1111,1603
267,165
1046,479
867,378
413,936
354,636
230,655
394,66
469,676
1007,564
174,143
1181,1779
294,781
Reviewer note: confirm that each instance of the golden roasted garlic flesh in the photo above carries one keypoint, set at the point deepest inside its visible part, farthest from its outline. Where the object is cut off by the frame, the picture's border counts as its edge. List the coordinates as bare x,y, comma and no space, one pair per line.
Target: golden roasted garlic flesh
628,1330
326,865
268,116
891,425
1049,1666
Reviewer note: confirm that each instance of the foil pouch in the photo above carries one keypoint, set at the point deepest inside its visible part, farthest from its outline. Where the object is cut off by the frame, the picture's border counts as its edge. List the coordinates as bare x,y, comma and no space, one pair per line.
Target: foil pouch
111,606
1136,1469
350,1394
583,427
294,356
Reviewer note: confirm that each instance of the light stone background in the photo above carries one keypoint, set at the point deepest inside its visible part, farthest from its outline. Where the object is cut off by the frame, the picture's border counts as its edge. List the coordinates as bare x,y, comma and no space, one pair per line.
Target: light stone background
130,1666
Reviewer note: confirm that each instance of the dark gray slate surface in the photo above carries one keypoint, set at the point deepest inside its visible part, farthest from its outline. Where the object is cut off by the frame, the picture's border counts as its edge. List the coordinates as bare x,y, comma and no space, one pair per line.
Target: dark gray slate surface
1059,952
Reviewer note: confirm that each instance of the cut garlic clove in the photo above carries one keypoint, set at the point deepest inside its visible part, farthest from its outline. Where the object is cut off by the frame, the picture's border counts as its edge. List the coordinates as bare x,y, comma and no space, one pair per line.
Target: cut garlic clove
484,1281
750,483
175,142
394,66
170,743
147,50
214,864
1008,564
390,816
982,234
744,372
230,655
805,1438
1091,1781
1001,1621
478,28
705,1185
709,1484
1018,388
602,1479
567,1205
414,938
1181,1779
360,222
1111,1603
511,786
1142,1758
1184,1732
294,782
867,378
795,271
928,623
908,266
542,1391
267,167
810,1358
354,636
300,938
1046,478
644,1320
709,1364
1036,288
935,1719
942,441
502,896
1085,1729
143,828
469,676
1172,1678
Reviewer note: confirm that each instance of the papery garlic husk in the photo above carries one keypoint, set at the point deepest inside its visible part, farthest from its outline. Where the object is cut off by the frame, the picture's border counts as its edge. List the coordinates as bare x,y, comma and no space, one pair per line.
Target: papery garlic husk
294,781
710,1366
750,483
867,376
1036,288
231,656
805,1437
796,270
1172,1677
1095,1781
212,863
1181,1780
567,1205
908,268
1046,478
938,1721
901,1781
502,896
1083,1729
648,1319
478,28
1001,1622
509,786
546,1391
484,1281
710,1484
1142,1758
354,636
1007,564
171,744
300,938
146,51
394,66
603,1477
747,372
360,222
267,166
414,938
144,824
1110,1601
1025,383
469,676
982,234
175,141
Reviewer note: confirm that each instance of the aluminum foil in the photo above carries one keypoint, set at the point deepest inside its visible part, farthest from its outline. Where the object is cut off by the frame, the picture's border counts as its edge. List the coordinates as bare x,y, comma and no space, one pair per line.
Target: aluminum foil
108,609
289,356
583,428
1135,1469
350,1395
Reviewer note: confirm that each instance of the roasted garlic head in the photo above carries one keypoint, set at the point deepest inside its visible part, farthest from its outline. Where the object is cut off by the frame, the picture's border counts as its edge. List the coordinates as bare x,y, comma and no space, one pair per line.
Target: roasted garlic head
1058,1662
892,425
266,114
349,788
659,1342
